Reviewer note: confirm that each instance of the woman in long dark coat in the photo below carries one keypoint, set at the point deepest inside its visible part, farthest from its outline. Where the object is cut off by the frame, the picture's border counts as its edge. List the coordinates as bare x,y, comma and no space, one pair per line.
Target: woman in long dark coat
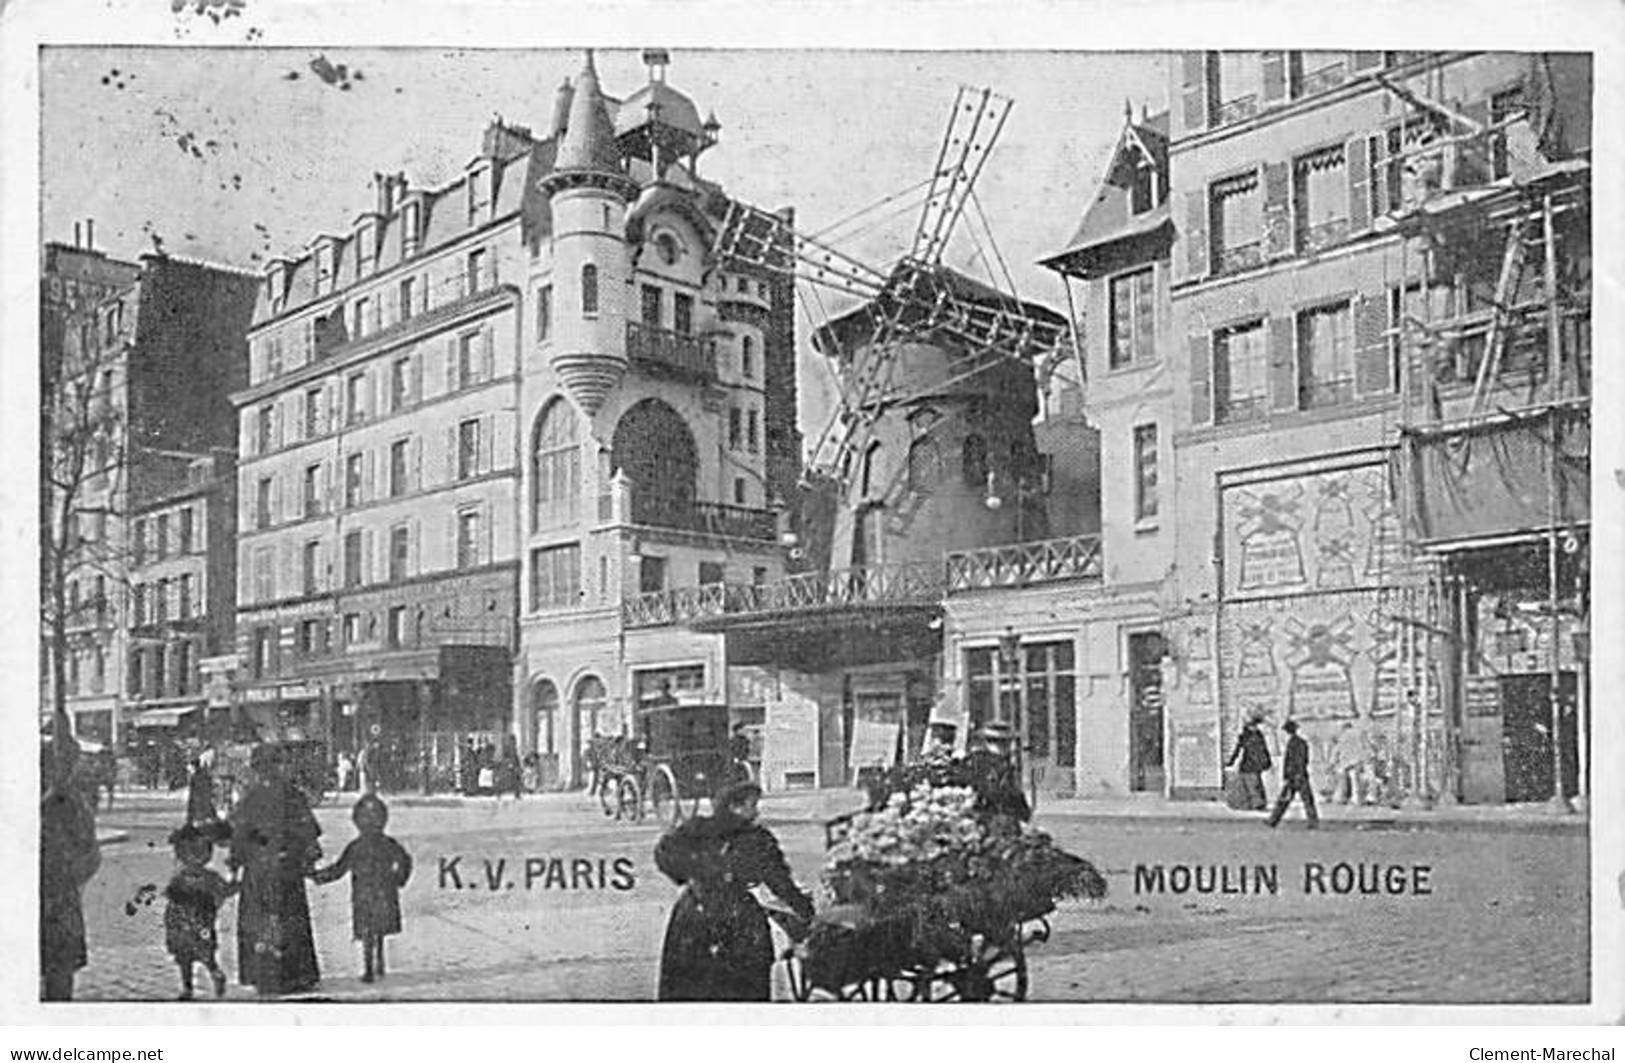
718,944
273,841
69,856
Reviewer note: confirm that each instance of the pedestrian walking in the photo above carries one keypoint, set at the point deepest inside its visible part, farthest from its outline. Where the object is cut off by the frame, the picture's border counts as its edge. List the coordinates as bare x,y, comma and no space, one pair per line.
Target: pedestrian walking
509,777
274,843
364,768
194,896
718,944
344,769
378,867
1251,759
68,857
1295,778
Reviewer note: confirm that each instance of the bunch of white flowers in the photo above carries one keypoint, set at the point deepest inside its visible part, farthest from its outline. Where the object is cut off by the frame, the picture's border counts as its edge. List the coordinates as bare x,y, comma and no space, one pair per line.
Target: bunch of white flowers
917,826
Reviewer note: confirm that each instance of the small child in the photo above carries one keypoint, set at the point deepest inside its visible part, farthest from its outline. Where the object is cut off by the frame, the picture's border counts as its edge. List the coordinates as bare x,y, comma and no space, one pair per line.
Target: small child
378,867
194,895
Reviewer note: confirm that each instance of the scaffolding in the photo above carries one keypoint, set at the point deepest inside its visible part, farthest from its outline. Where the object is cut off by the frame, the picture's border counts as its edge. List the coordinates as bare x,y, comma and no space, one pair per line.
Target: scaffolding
1492,322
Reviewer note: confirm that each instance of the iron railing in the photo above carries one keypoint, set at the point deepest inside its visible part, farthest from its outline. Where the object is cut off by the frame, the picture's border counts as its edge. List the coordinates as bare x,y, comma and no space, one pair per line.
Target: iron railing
1023,564
872,585
691,356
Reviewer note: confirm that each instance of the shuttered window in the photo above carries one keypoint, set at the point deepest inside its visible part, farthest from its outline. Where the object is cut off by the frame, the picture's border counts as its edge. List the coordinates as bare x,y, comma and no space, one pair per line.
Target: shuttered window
1320,200
1235,224
1325,356
1145,472
1240,373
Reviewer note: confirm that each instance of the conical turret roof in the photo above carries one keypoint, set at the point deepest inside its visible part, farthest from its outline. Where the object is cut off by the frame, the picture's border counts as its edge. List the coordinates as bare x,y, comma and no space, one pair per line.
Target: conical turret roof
589,137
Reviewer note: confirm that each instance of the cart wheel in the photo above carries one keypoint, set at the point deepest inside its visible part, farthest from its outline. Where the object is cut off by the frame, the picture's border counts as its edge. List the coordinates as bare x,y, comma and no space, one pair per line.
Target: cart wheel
998,974
607,795
629,800
1006,974
664,796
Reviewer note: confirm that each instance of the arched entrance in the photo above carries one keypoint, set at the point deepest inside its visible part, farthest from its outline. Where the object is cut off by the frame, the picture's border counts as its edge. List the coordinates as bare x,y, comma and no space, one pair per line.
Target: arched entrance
655,449
544,708
586,710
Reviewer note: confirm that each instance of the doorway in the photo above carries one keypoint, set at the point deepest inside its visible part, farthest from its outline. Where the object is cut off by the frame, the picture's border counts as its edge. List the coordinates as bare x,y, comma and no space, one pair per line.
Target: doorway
1526,745
1147,773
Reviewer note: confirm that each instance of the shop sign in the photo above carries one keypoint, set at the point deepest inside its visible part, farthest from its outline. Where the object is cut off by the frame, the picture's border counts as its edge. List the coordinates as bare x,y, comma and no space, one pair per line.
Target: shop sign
260,695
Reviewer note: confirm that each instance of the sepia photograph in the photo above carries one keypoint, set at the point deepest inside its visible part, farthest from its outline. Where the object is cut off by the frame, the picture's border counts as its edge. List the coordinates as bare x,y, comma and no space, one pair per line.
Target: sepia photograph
583,521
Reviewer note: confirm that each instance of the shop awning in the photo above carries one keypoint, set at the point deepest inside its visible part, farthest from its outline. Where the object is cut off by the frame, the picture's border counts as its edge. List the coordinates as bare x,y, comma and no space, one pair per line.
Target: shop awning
167,716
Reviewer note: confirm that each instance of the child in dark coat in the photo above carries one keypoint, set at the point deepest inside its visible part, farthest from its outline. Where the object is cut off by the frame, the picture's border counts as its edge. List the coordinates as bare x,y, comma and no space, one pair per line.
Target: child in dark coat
378,867
194,895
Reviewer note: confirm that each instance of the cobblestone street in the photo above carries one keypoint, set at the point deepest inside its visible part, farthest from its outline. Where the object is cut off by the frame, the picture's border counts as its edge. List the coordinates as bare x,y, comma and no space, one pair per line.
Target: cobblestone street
1505,918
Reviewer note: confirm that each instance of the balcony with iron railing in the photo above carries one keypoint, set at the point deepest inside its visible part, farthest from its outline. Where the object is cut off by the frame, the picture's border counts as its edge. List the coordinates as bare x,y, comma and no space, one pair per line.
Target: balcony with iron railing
619,506
867,587
661,350
1076,557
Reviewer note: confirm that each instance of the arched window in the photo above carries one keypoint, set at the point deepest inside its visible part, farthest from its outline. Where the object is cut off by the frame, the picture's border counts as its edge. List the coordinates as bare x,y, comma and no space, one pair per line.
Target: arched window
975,460
924,465
555,466
544,707
589,289
655,449
586,709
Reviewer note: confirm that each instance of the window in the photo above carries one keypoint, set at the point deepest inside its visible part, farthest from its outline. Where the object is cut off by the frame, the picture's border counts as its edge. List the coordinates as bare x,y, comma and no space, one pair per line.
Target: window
264,583
651,574
262,503
352,480
264,640
468,449
359,316
160,602
1133,312
555,577
739,490
137,661
555,467
1145,472
183,603
1320,200
161,548
1236,224
682,313
1325,356
138,543
1240,373
1503,107
400,383
324,267
273,356
399,467
468,538
101,599
752,440
138,603
350,628
185,519
1241,86
711,573
477,279
353,576
747,357
735,428
310,572
365,251
313,413
309,637
160,673
263,426
589,289
973,460
400,544
406,295
473,352
312,492
355,398
544,313
479,196
1142,185
98,670
924,464
395,625
1318,71
651,306
1037,689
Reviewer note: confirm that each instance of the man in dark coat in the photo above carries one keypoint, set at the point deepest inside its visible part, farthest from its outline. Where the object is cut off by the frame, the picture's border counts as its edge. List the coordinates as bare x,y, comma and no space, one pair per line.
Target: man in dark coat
274,842
1295,778
991,771
718,943
1251,758
68,857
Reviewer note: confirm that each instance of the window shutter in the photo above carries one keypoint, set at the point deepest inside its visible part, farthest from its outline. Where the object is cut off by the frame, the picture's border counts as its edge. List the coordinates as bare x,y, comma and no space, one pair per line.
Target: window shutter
1283,371
276,501
376,393
487,532
415,378
414,539
367,469
417,463
366,556
325,479
1196,219
1359,173
487,443
1193,90
1274,76
487,356
1277,209
1376,153
451,365
1371,367
451,454
1201,355
451,541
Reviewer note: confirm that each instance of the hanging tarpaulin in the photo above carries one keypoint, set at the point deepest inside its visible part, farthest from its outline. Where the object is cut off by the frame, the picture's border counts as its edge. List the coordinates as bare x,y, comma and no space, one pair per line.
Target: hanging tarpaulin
1496,477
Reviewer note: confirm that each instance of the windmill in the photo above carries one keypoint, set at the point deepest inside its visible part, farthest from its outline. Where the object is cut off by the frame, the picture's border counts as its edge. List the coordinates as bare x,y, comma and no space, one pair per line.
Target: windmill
919,299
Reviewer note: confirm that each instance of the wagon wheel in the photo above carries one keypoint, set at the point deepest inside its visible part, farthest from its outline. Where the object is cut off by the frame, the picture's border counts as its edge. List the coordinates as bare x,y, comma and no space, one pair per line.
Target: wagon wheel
996,972
607,793
664,797
628,799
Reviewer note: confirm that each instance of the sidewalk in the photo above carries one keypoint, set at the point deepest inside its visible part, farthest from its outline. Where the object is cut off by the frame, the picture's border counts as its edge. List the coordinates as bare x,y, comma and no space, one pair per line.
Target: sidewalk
820,805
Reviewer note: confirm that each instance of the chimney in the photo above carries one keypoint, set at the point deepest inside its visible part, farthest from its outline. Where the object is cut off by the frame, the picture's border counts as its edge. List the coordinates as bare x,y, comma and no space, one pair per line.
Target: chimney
76,234
561,107
90,234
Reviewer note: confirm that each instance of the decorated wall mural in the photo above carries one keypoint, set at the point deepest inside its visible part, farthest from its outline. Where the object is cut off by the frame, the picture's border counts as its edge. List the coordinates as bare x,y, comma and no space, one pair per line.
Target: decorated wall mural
1330,529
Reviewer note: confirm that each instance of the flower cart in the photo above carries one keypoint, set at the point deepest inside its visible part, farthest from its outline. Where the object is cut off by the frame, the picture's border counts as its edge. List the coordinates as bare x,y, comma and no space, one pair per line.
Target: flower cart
934,900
